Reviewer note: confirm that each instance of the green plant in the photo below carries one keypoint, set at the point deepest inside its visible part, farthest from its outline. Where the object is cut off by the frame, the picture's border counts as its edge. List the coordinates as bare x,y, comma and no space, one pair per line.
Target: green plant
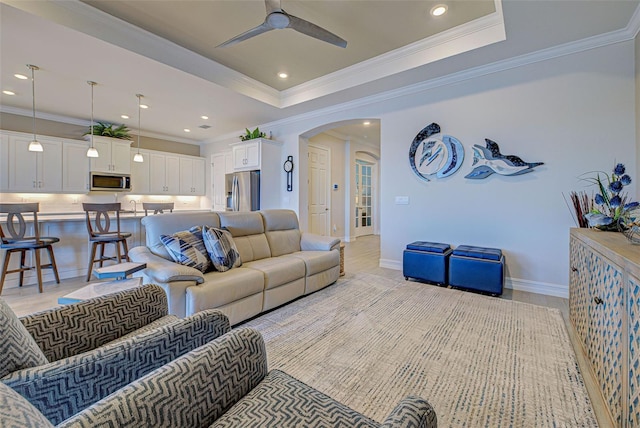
250,135
108,130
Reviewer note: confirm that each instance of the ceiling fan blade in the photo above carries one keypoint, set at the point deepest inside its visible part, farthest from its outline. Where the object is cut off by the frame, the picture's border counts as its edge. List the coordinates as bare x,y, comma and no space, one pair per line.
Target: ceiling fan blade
306,27
260,29
272,6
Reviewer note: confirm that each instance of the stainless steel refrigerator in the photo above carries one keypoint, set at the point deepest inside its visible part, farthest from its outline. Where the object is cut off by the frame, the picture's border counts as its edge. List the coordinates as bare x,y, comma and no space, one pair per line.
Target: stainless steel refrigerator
243,191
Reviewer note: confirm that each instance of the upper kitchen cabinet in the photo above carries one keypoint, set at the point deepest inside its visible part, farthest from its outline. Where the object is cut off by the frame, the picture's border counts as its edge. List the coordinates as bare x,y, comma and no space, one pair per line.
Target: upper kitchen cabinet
164,174
192,176
75,166
140,179
249,155
34,171
114,155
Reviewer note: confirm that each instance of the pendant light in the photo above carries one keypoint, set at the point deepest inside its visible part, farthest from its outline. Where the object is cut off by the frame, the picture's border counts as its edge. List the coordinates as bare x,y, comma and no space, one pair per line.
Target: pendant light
34,146
92,152
138,156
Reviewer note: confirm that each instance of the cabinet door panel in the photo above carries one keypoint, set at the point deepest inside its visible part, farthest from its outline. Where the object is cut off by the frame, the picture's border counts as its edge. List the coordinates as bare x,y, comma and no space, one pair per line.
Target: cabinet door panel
253,156
172,180
186,176
49,166
605,342
4,162
157,172
198,177
121,156
634,351
103,162
579,289
239,154
75,167
22,166
140,173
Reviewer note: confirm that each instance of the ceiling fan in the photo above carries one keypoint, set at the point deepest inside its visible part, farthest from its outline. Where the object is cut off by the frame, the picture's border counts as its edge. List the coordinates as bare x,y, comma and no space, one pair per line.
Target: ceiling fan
278,19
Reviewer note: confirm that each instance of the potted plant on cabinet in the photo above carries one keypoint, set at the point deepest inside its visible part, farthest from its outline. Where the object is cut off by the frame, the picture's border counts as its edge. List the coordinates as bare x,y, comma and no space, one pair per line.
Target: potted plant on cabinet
252,135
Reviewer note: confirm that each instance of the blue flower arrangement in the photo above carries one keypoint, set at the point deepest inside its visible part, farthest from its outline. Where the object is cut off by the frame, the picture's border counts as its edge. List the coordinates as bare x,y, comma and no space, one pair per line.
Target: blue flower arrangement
611,211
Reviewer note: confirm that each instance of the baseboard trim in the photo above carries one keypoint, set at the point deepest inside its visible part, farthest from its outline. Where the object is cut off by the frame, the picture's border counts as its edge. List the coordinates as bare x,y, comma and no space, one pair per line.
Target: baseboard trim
556,290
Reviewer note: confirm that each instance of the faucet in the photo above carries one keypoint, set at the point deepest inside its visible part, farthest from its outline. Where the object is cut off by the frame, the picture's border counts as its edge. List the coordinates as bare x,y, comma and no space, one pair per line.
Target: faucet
135,205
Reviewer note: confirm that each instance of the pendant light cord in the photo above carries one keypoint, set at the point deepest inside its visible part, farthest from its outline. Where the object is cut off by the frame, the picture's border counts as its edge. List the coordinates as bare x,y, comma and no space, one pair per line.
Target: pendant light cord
33,98
139,111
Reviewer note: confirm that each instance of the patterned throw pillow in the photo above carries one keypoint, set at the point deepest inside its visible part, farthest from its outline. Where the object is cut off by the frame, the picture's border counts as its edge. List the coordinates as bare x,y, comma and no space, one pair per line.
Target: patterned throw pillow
222,250
187,248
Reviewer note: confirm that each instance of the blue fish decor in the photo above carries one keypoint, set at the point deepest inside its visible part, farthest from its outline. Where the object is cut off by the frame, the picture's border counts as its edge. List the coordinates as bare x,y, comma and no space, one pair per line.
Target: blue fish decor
430,156
489,160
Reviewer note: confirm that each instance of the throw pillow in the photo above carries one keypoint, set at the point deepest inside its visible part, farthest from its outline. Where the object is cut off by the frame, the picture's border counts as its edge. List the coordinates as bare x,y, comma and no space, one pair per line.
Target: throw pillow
18,348
187,248
221,248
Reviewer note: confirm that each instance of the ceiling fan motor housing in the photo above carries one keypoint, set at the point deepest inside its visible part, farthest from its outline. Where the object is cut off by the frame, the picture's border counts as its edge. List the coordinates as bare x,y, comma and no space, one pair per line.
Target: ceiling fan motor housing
278,20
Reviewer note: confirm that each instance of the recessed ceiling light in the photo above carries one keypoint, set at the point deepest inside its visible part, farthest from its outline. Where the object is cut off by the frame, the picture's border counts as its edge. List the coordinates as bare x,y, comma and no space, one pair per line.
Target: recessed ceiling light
204,117
124,116
144,106
439,10
21,76
366,123
187,130
8,92
283,75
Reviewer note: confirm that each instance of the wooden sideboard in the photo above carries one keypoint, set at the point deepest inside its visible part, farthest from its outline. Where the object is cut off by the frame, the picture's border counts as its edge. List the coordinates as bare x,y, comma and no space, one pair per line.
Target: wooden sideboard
604,306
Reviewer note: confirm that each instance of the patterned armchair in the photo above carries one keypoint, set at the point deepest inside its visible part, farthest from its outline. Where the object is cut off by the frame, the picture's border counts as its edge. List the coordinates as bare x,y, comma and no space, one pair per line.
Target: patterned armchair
224,383
65,359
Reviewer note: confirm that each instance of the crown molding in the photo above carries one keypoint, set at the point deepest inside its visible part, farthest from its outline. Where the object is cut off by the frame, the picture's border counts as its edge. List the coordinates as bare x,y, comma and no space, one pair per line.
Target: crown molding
463,38
594,42
633,27
83,122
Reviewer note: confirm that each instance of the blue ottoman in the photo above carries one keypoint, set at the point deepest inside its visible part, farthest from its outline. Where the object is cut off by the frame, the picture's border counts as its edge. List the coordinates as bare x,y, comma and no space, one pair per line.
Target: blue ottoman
427,261
477,268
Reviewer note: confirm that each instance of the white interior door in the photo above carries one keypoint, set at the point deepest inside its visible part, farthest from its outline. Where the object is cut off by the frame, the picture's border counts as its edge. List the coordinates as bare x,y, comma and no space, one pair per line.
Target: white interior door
364,203
319,174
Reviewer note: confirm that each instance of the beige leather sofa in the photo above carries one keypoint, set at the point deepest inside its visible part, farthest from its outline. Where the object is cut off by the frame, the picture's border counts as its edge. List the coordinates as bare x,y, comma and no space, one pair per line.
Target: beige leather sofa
279,263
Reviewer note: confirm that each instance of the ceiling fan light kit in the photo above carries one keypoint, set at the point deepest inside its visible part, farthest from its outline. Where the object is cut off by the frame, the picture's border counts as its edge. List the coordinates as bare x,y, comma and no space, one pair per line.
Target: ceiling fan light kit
278,19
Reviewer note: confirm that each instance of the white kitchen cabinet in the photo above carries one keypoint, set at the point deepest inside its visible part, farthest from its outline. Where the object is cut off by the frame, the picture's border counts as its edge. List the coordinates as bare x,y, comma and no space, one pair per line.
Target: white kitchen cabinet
4,162
140,176
114,155
35,171
219,165
164,174
75,167
192,176
246,155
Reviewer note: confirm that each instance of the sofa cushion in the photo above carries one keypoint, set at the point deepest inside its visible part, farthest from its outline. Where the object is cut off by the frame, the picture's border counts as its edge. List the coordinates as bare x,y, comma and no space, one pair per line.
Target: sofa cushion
278,270
318,261
221,288
166,224
283,401
221,248
247,230
18,348
187,248
282,230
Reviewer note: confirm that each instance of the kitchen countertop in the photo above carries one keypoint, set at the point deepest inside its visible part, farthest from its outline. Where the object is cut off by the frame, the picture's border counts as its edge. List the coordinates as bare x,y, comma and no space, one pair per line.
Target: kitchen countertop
45,217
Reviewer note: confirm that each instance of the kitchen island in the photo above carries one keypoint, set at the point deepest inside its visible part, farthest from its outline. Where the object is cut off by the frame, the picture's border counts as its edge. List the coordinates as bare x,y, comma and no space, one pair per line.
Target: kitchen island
72,252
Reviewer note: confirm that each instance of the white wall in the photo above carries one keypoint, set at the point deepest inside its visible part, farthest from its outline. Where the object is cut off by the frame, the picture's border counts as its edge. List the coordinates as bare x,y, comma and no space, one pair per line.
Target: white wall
576,113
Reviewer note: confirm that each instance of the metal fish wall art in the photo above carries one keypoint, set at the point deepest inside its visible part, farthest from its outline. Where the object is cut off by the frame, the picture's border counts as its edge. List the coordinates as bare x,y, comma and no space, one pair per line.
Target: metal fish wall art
429,155
489,160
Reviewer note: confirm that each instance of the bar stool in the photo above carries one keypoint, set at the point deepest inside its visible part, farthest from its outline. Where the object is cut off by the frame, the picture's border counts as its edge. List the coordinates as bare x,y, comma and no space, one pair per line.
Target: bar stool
157,207
15,241
100,233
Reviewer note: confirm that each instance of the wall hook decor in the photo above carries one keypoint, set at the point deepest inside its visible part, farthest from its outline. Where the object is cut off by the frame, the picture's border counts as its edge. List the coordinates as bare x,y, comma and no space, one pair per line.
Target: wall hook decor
288,168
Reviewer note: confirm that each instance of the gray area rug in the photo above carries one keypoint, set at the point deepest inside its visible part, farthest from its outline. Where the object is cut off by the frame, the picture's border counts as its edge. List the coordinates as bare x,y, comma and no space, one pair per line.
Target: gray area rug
369,341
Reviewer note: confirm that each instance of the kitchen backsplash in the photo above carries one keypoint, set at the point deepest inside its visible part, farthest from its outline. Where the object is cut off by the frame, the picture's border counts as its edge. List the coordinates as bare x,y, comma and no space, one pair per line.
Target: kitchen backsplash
69,203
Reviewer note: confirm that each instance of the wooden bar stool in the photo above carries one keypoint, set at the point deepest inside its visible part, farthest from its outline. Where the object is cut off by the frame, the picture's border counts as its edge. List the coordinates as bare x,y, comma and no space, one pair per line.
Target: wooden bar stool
15,241
157,207
100,233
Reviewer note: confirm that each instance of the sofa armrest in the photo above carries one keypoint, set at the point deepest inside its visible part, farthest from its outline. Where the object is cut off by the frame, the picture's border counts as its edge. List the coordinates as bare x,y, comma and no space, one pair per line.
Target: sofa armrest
192,391
313,242
163,271
73,329
411,412
66,387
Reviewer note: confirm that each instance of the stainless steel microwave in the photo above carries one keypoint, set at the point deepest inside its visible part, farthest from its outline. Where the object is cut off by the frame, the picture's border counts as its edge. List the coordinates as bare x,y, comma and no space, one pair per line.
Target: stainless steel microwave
110,182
